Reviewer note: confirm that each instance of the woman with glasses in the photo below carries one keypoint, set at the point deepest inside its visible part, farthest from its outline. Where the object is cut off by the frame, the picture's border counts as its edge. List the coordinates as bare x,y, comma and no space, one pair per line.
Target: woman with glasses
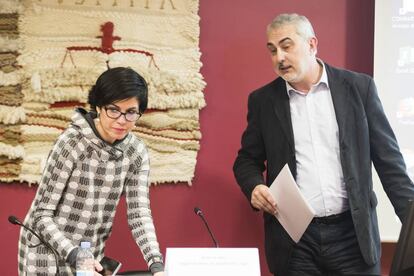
92,163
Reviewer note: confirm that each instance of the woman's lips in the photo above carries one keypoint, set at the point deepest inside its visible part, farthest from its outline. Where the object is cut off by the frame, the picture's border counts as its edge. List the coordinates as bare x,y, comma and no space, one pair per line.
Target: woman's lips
118,129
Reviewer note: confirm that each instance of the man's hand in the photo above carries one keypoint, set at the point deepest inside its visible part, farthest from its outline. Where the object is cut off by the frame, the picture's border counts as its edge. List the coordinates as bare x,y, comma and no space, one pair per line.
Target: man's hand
263,200
161,273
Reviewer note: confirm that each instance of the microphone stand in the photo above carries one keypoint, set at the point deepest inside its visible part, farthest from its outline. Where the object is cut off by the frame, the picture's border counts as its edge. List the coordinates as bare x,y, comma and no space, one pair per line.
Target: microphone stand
199,213
15,221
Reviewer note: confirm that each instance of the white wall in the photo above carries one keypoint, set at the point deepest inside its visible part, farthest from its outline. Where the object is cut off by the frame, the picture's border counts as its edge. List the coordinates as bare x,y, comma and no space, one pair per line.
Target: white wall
394,76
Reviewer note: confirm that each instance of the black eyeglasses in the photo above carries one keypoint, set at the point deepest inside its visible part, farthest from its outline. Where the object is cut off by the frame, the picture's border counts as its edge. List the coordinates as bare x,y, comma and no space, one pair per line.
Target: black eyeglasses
130,116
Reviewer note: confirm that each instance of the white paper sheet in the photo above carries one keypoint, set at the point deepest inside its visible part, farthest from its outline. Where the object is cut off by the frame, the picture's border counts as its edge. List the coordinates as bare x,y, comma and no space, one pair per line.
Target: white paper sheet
294,212
212,262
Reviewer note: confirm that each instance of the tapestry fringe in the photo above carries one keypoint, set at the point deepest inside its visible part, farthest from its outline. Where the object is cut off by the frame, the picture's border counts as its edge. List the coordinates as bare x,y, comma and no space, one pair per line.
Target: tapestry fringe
12,114
12,152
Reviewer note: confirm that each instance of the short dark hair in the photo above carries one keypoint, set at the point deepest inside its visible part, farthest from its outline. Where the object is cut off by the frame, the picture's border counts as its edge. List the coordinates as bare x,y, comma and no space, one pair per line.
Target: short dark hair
117,84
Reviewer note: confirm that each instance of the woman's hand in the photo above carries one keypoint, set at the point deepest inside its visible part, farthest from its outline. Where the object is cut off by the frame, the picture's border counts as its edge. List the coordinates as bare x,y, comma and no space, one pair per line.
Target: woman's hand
98,267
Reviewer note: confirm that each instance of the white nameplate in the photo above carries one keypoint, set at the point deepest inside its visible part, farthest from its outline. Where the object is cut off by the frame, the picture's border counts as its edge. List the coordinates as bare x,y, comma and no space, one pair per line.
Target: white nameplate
212,261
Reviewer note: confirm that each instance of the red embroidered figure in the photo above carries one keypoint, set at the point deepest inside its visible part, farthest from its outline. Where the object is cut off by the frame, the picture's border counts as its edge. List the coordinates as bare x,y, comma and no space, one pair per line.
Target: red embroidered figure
107,30
107,40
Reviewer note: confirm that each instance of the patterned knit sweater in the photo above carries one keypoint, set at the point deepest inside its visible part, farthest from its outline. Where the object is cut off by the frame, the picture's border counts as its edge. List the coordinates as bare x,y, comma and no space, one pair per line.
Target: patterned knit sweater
77,198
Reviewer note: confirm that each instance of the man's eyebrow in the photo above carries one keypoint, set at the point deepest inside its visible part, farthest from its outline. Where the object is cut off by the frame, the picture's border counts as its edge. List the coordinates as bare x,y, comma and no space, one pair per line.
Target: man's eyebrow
270,44
285,39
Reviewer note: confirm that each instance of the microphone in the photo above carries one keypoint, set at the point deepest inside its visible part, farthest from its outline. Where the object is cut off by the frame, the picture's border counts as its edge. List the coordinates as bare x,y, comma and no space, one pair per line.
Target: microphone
16,221
199,213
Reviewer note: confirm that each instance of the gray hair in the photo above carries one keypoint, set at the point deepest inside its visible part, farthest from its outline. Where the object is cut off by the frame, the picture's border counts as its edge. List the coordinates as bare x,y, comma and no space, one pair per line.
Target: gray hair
302,24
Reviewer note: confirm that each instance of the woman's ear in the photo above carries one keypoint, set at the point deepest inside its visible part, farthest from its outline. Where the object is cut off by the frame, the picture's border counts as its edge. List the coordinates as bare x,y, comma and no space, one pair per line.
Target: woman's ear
98,111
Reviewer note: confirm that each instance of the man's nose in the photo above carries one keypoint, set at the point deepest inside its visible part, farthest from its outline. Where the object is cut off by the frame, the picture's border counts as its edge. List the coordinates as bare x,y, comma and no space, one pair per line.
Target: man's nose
280,56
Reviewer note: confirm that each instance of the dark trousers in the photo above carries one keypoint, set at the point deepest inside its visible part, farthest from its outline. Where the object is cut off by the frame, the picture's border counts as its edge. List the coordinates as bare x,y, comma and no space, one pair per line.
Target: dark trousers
329,247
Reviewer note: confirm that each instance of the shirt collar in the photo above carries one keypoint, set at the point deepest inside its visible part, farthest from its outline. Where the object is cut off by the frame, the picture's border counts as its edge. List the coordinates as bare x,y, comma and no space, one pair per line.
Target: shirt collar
323,79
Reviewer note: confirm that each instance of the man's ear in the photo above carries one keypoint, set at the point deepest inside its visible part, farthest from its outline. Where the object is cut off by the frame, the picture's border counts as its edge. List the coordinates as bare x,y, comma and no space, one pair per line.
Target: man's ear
313,45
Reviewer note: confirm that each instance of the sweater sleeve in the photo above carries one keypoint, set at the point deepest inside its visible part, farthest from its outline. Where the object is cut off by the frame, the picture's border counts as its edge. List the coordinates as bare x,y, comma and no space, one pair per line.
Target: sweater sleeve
58,168
139,213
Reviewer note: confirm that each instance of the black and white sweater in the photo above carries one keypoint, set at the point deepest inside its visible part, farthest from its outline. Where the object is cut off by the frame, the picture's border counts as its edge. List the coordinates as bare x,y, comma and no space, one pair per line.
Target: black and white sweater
78,194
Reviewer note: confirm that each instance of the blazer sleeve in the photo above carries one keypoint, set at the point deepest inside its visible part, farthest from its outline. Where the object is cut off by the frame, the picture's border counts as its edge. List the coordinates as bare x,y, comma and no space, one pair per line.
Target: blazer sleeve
249,165
386,155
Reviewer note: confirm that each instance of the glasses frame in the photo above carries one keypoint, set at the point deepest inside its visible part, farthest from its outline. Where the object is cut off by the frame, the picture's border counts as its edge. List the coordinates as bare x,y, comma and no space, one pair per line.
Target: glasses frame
120,114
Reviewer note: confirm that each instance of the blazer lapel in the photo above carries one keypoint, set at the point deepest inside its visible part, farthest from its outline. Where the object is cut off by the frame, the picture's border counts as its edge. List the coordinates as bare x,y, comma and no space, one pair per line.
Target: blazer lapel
282,109
340,97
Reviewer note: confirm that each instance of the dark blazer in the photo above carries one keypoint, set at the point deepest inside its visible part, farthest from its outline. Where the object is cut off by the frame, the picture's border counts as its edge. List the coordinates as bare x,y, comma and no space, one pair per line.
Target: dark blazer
365,137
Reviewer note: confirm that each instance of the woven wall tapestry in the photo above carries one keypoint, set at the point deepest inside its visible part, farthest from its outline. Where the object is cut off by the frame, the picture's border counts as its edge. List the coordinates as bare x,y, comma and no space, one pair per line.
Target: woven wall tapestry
52,51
